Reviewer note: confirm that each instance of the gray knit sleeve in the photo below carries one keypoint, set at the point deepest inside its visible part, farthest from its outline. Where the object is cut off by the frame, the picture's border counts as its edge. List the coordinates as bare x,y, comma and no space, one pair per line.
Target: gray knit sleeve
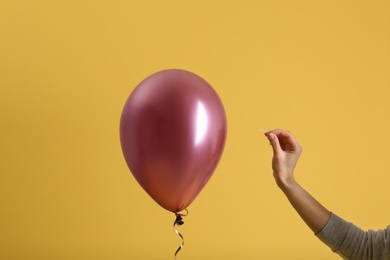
351,242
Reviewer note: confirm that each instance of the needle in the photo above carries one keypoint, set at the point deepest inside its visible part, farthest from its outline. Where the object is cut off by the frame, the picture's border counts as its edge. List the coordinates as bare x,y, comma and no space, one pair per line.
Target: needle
262,130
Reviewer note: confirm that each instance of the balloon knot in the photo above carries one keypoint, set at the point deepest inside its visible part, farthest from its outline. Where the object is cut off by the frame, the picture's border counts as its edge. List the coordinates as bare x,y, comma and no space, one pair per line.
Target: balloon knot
179,220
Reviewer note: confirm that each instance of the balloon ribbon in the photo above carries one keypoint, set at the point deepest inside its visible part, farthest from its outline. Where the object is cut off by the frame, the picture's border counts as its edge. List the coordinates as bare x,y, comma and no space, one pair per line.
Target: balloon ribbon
178,222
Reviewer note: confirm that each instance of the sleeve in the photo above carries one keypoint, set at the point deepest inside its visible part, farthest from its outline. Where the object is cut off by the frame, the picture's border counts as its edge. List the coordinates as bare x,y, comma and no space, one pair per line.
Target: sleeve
351,242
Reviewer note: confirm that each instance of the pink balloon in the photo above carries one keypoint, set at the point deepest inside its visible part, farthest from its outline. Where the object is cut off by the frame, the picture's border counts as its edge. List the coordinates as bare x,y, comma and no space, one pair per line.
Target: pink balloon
173,131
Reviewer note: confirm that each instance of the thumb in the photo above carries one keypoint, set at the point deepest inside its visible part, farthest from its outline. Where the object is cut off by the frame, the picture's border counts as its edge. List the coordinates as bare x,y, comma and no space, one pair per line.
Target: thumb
274,142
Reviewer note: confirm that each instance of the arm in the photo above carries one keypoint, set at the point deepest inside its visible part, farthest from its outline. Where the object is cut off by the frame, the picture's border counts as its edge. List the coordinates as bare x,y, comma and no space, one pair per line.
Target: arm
342,237
286,152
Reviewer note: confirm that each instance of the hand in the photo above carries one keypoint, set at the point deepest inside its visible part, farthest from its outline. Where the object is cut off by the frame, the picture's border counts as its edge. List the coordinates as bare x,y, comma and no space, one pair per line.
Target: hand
286,151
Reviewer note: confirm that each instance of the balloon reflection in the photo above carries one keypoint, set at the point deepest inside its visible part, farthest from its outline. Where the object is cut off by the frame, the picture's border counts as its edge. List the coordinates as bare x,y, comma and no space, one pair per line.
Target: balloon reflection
201,123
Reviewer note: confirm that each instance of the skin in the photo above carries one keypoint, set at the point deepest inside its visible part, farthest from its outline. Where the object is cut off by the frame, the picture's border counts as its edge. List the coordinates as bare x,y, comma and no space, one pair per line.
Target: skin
286,152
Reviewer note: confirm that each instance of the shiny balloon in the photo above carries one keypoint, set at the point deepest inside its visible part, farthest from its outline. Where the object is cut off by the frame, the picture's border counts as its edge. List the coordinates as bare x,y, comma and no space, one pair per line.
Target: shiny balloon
172,132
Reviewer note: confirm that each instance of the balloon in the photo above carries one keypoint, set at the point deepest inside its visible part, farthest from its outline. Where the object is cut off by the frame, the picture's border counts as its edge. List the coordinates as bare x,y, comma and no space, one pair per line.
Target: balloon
172,132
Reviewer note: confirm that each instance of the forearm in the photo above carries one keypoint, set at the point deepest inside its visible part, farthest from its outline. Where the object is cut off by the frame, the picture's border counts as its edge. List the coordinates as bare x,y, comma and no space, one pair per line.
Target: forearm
310,210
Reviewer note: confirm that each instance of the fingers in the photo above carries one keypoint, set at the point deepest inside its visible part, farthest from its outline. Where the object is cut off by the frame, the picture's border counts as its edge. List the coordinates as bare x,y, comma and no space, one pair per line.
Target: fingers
284,135
283,140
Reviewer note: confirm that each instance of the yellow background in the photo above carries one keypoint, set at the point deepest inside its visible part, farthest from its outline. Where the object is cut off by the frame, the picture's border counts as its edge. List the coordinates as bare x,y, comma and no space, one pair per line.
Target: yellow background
317,68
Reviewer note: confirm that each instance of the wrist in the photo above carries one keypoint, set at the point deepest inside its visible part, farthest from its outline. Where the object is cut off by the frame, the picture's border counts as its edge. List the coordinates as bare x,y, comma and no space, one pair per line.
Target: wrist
286,183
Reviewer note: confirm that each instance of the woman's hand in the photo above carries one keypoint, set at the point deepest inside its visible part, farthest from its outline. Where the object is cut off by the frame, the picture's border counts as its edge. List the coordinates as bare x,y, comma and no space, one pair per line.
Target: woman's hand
286,152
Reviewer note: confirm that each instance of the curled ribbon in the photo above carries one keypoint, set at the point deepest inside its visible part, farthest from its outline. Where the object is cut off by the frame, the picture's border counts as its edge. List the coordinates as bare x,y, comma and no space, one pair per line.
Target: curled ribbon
178,222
